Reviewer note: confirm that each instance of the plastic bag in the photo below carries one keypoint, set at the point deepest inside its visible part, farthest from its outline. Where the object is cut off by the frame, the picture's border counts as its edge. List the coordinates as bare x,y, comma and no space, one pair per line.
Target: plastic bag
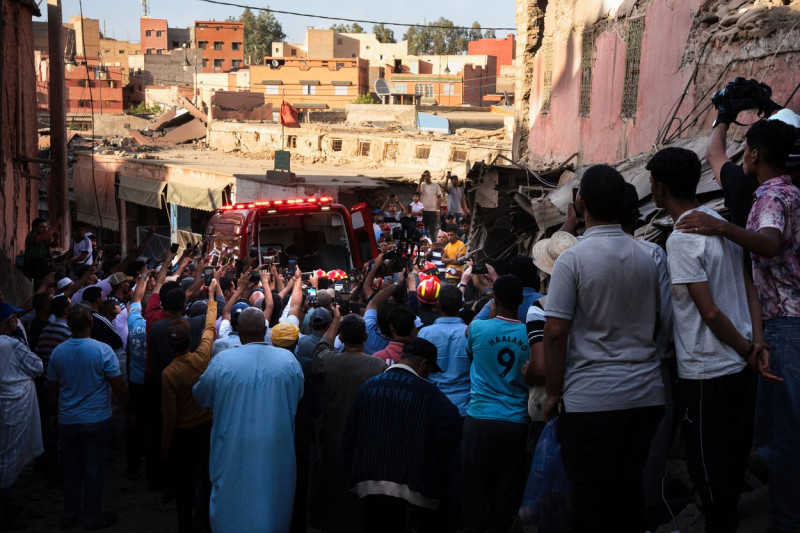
547,501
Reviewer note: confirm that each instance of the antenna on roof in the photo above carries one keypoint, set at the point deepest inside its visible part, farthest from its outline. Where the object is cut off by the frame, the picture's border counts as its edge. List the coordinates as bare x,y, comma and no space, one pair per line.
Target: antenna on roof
145,8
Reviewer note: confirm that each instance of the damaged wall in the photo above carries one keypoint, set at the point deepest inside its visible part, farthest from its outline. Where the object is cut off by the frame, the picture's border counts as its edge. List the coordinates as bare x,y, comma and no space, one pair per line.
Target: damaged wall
691,45
369,148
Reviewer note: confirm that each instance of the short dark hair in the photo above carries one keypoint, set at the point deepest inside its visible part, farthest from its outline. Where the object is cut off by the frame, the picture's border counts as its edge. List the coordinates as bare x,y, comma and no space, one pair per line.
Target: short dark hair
773,139
627,213
402,318
603,190
508,291
451,227
40,300
134,268
384,318
522,267
449,299
226,283
352,330
92,294
174,300
79,317
678,169
178,335
59,305
37,221
166,287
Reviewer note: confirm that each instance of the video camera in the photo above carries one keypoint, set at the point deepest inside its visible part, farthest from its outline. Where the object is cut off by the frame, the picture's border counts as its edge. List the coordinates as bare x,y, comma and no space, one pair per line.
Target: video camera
406,239
741,94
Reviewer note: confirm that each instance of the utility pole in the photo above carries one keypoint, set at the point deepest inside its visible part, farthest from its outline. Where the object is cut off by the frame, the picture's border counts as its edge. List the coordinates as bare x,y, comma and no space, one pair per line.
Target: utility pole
58,199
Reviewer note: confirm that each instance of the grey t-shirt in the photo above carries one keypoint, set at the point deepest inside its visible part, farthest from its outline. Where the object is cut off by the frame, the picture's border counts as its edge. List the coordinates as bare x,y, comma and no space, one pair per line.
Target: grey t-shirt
454,197
695,258
607,286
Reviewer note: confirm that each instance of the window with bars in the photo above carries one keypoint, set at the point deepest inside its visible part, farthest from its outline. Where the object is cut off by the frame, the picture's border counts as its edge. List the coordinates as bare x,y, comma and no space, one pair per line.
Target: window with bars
633,56
423,151
428,90
363,148
547,83
419,88
217,45
336,145
390,151
587,50
458,156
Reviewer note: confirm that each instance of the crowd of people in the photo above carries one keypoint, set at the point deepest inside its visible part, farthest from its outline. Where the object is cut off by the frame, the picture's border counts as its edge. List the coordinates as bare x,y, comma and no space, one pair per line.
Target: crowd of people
409,396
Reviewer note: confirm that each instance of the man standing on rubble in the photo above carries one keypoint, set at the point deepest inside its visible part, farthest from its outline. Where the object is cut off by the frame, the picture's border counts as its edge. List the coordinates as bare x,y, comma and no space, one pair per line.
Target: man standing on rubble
431,195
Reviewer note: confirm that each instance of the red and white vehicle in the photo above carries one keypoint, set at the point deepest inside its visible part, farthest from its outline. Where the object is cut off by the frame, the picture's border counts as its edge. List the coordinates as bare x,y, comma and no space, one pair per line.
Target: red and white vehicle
315,230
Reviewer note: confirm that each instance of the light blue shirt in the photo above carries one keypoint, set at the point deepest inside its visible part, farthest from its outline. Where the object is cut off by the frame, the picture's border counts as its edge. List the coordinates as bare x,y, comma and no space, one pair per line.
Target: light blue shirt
375,340
137,343
82,368
529,296
226,343
253,391
499,348
447,334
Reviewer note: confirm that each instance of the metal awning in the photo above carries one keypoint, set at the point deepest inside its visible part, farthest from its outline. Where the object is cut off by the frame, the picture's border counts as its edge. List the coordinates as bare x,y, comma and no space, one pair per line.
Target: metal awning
309,82
206,193
341,82
141,191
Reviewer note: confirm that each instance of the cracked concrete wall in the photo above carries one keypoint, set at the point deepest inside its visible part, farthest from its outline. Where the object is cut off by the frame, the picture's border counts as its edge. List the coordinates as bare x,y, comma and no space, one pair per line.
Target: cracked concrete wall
689,49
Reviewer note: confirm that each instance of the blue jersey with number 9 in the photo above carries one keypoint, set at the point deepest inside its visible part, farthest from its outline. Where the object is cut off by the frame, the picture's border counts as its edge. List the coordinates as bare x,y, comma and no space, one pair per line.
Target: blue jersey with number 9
499,348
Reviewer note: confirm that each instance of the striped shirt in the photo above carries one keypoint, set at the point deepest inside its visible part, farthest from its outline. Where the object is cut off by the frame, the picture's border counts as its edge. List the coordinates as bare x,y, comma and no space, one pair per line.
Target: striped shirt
51,336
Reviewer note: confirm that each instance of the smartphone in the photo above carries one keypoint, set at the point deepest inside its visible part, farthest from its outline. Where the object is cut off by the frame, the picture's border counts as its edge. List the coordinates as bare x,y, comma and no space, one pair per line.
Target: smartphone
174,248
312,292
338,287
253,252
292,266
305,276
208,275
255,277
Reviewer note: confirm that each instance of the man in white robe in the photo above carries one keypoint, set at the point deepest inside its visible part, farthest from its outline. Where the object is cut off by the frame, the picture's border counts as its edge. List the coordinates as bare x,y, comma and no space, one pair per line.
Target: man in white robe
20,429
253,391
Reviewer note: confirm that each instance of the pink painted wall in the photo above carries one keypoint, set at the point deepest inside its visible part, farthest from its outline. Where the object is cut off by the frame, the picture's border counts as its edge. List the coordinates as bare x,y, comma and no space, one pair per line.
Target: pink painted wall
604,136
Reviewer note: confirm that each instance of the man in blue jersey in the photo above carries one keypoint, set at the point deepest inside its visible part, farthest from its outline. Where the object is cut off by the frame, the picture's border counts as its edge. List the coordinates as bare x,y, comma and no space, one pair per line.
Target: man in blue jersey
496,426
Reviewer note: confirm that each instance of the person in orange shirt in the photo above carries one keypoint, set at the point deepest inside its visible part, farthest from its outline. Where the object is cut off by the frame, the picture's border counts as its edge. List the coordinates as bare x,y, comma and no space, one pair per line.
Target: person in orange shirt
453,254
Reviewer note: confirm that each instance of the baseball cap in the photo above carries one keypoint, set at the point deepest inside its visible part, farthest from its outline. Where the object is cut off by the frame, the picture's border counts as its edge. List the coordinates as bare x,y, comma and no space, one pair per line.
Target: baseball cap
6,310
321,317
236,310
62,283
324,298
424,349
284,334
118,277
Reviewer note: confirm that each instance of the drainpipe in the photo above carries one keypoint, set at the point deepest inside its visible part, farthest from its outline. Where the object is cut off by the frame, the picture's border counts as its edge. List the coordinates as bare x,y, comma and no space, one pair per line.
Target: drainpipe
58,199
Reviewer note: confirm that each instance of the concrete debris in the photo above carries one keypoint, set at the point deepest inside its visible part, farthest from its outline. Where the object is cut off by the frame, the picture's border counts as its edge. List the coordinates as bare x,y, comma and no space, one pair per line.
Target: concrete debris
176,126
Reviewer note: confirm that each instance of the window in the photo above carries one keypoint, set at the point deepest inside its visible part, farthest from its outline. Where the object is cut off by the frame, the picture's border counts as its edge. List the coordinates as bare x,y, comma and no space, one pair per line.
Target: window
449,89
158,33
352,55
108,103
340,90
202,44
217,45
428,90
294,52
106,51
271,89
363,148
584,105
236,63
148,33
149,51
83,83
400,88
367,47
339,41
158,52
339,65
547,83
277,50
423,151
218,64
205,63
291,141
176,44
121,51
390,151
309,89
458,156
633,56
84,103
236,46
336,145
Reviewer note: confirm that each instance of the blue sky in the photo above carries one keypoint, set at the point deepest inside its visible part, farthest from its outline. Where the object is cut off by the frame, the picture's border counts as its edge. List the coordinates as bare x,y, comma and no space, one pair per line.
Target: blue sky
122,16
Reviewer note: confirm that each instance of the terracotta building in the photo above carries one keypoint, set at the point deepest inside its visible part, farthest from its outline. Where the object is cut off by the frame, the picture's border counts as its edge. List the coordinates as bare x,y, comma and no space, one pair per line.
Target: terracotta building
19,181
222,44
153,36
310,83
503,49
101,92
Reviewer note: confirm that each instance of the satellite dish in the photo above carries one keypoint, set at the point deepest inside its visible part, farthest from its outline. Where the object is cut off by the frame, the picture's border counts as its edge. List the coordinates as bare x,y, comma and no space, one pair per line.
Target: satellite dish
275,63
383,87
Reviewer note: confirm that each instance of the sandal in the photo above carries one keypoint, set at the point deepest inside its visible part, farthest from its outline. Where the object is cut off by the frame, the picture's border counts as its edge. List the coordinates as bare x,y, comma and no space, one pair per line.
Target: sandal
107,520
68,521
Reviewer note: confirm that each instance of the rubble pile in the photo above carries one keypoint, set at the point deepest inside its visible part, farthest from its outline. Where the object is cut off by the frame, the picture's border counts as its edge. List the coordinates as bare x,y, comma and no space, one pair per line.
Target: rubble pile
176,126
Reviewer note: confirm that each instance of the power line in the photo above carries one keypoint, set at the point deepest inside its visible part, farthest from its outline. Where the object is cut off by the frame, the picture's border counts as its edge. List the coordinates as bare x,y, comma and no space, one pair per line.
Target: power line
296,14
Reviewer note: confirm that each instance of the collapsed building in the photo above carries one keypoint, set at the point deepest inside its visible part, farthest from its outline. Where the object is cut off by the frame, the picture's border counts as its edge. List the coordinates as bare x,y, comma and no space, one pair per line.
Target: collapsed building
612,81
